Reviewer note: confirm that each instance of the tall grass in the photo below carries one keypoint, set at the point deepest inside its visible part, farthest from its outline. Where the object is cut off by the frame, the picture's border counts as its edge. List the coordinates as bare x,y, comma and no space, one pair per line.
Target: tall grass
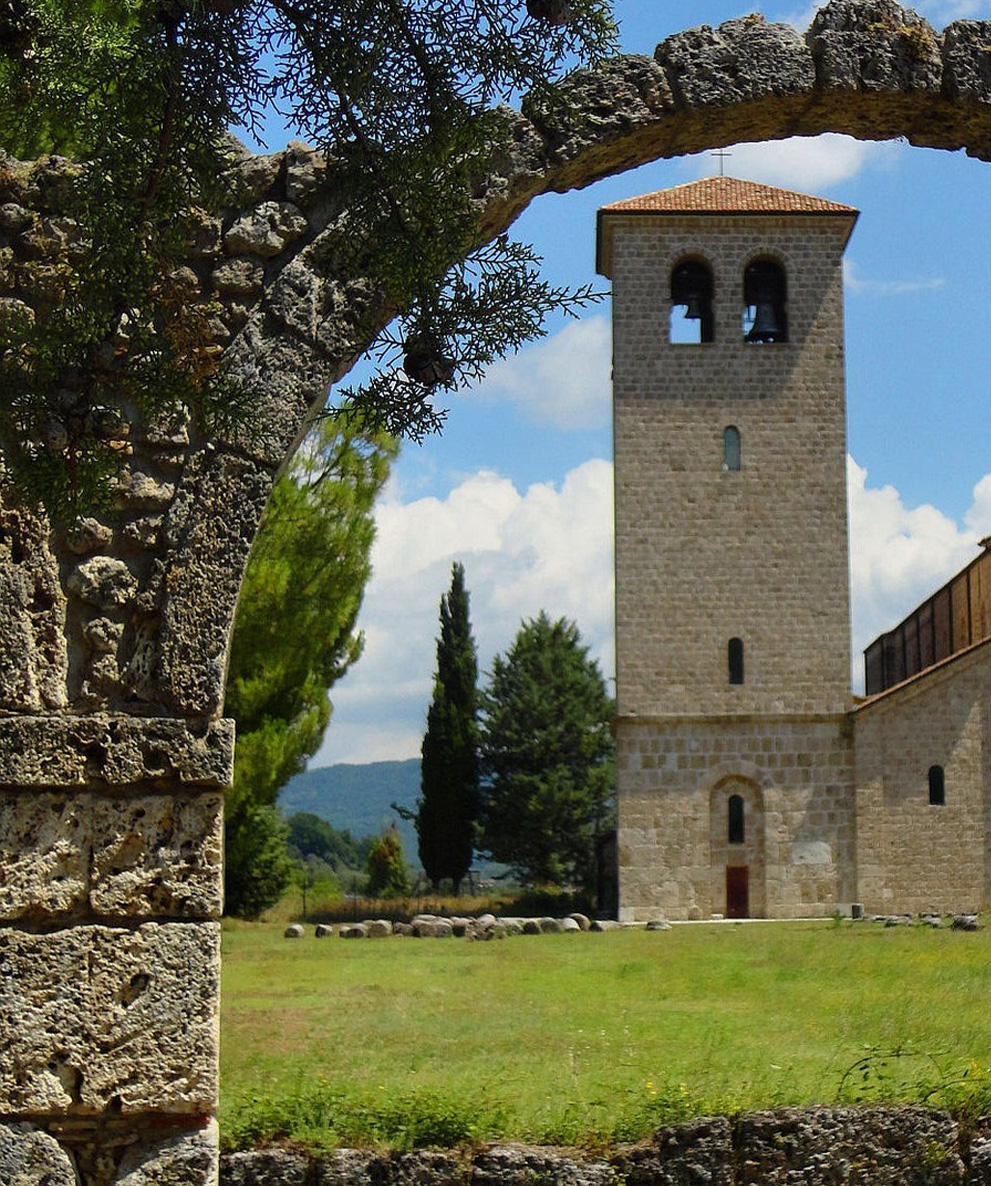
589,1038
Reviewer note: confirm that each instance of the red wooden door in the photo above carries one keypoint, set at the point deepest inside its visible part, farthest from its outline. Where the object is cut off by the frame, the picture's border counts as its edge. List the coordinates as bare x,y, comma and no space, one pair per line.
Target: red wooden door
737,891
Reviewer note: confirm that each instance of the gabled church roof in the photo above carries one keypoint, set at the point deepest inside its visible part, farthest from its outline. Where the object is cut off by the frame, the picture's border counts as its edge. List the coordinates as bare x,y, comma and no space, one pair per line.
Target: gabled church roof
727,195
719,195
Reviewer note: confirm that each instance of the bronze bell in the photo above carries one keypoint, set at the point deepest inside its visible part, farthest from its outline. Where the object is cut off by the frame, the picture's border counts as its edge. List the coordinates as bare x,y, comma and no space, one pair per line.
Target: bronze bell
694,307
766,326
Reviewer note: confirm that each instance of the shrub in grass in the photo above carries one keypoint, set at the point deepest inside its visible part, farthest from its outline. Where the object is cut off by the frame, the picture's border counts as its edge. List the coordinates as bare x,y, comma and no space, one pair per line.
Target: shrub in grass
323,1116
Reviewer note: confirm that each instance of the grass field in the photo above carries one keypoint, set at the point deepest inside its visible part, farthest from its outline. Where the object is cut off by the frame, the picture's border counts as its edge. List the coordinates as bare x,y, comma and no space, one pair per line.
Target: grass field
574,1039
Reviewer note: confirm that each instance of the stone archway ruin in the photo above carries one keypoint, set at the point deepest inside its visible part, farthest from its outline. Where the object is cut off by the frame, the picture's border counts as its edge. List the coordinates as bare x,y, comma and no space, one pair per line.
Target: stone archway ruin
113,636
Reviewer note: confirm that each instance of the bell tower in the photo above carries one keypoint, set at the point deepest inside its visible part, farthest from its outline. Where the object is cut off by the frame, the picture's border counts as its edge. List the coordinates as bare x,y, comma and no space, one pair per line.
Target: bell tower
732,601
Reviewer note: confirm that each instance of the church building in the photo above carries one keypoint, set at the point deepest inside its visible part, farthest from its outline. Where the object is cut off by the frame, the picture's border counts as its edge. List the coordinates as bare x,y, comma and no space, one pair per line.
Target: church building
751,782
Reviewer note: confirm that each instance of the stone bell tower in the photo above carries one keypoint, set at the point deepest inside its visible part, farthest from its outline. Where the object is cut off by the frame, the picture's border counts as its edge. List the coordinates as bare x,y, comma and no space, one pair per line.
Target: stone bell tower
732,602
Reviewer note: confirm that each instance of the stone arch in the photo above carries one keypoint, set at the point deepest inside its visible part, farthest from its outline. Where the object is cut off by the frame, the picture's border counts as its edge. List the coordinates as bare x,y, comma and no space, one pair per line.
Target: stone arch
114,634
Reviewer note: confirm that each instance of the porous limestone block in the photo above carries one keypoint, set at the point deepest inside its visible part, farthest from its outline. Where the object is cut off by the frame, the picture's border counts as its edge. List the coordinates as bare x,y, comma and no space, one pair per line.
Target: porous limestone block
29,1157
738,61
65,855
207,535
157,855
53,751
110,1019
44,855
182,1159
33,654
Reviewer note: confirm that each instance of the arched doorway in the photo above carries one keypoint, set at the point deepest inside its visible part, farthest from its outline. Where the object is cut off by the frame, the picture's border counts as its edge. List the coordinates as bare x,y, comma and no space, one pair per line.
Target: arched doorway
736,849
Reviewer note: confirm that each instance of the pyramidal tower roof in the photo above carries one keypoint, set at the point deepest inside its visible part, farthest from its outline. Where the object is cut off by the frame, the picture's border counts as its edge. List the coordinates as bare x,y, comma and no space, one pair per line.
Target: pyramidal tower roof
718,195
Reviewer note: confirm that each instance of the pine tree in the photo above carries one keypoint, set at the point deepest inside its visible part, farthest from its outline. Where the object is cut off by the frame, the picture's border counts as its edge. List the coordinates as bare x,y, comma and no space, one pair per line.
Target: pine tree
449,761
547,757
294,635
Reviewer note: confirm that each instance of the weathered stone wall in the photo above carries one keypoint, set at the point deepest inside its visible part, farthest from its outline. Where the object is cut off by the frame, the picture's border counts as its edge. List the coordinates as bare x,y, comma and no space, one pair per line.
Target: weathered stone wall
913,855
790,1147
114,634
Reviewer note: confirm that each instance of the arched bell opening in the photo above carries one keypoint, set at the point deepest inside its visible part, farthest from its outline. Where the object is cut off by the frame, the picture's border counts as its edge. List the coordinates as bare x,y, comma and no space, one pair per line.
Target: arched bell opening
692,320
764,296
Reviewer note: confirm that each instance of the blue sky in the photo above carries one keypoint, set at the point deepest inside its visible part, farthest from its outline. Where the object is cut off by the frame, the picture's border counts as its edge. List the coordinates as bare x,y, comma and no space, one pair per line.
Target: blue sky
518,487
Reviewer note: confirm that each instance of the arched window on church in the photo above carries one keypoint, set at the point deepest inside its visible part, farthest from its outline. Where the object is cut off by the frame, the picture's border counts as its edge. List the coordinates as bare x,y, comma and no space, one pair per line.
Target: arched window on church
736,827
764,296
692,320
937,786
734,655
731,448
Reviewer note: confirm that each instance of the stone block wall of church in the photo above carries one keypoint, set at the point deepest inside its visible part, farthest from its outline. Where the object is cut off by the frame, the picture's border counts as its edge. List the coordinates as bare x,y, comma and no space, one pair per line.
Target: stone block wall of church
675,776
705,555
914,856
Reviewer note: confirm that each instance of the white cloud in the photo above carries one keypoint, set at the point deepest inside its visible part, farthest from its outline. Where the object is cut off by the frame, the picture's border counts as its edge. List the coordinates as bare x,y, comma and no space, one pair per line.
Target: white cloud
549,547
562,381
855,284
805,163
900,555
938,12
978,517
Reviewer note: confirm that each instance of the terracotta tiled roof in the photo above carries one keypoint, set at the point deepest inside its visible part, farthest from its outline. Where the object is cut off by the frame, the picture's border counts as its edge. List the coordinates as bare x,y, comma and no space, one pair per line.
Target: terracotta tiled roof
714,195
727,195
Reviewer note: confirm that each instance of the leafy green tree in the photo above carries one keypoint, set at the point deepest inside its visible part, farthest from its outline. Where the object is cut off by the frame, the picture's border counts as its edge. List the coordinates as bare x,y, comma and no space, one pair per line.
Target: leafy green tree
548,781
257,865
312,836
295,633
387,873
445,816
402,95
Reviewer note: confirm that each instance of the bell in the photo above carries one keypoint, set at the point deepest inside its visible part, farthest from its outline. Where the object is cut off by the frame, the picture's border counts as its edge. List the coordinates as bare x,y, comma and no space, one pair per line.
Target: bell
766,327
694,307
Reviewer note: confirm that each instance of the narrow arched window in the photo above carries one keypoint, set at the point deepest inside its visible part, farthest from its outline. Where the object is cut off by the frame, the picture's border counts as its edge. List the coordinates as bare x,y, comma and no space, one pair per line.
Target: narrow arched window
764,296
691,303
734,654
937,786
731,448
736,830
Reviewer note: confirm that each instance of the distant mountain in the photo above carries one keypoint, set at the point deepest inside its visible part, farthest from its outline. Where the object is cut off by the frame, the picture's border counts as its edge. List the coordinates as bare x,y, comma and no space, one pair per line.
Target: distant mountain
357,797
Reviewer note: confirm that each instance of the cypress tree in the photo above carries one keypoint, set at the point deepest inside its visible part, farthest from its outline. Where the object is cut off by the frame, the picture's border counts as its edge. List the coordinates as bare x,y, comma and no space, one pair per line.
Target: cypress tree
445,817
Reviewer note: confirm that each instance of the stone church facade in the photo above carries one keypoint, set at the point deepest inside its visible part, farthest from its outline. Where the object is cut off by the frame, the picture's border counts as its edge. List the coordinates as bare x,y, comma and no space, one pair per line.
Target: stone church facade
751,782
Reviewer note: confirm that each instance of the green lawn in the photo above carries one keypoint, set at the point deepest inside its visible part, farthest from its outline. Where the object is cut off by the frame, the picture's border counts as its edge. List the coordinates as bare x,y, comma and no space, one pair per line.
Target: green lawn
570,1038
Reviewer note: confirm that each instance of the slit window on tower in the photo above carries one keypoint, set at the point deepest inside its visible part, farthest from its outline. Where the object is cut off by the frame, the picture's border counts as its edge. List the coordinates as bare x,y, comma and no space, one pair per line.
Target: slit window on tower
691,303
764,293
734,655
937,786
731,448
736,829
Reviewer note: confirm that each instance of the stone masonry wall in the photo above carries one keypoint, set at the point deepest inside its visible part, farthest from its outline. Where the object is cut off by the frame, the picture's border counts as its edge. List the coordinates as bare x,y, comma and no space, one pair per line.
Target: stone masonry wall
704,555
799,818
789,1147
914,856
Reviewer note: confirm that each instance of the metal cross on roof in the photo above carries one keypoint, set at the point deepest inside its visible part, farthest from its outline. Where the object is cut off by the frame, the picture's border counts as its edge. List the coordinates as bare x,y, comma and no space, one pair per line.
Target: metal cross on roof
721,153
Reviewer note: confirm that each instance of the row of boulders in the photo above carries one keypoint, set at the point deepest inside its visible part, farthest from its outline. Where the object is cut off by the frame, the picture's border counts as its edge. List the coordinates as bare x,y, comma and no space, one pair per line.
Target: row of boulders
957,922
485,926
